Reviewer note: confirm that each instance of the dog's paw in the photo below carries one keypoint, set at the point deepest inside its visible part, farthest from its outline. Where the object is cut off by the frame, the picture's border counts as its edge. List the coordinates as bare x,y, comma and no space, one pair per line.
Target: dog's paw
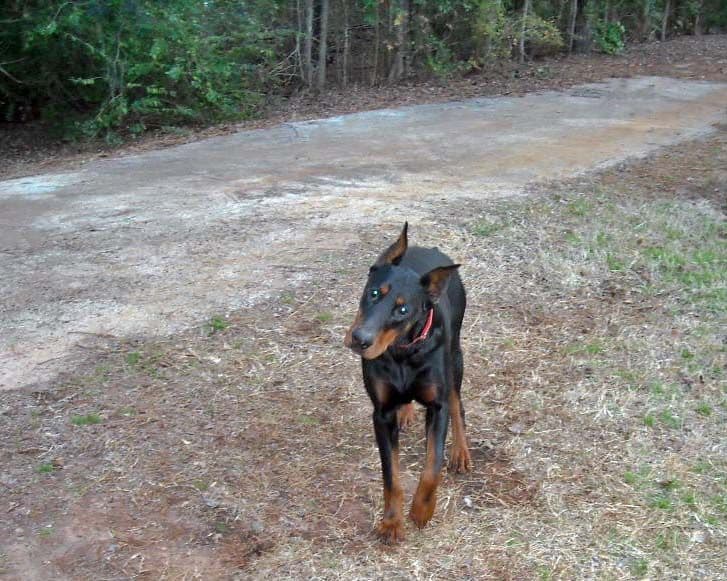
422,510
406,415
390,530
460,460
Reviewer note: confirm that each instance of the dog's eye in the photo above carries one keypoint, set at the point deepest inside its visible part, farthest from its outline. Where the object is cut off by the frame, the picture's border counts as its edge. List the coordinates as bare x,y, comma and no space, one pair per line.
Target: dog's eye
375,293
403,310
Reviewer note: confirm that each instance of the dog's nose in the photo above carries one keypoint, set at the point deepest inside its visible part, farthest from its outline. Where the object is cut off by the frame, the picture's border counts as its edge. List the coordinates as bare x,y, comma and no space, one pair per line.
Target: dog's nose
363,338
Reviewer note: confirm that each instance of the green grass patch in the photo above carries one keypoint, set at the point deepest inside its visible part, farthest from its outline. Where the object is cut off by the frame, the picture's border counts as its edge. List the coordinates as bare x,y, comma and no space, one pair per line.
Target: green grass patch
484,229
669,419
217,324
45,468
324,317
639,567
704,409
86,420
133,358
309,421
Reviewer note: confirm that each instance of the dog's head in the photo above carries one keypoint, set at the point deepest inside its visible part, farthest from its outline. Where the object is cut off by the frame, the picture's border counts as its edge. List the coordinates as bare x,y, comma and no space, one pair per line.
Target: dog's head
395,300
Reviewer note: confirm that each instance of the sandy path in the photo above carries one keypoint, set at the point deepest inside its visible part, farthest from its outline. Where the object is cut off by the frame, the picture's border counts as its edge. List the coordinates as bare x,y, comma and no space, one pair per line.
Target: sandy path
154,243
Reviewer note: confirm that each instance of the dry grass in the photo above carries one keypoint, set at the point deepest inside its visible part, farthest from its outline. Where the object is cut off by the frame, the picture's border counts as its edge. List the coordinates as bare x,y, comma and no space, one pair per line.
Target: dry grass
595,393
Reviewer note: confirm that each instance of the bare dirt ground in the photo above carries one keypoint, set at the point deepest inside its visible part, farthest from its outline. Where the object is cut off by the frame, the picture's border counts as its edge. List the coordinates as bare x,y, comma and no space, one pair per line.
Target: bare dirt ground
237,444
28,150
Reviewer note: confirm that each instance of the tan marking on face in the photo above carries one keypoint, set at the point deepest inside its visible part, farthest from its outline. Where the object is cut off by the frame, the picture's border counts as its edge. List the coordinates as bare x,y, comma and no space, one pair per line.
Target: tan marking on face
400,301
383,341
385,288
348,338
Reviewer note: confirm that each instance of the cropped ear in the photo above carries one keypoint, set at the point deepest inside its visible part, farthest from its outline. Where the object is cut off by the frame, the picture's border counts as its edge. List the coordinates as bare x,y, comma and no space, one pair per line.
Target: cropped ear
394,253
435,281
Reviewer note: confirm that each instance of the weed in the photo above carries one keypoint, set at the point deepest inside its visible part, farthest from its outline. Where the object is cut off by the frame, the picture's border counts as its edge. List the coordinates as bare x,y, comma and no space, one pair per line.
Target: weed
579,207
704,409
324,317
45,468
287,298
217,324
668,418
572,238
690,499
615,264
702,467
592,348
670,485
484,229
649,421
221,527
309,421
46,531
133,358
86,420
639,567
661,502
667,541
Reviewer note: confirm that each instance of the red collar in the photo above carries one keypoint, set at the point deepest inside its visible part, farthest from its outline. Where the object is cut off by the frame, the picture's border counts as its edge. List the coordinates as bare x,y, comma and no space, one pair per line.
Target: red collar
425,331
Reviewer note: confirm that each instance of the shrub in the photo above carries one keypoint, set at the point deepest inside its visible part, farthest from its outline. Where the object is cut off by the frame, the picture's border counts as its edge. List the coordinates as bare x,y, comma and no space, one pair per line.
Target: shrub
610,37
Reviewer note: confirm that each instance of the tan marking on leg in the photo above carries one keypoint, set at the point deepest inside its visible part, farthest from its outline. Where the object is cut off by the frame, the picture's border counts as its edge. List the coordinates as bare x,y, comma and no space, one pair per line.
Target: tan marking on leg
391,526
425,498
459,455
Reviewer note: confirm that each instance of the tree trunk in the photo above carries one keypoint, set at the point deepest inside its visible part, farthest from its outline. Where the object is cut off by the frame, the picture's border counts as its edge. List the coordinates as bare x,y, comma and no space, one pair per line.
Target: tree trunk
398,70
377,43
308,43
665,20
323,46
645,20
526,8
698,19
572,26
346,43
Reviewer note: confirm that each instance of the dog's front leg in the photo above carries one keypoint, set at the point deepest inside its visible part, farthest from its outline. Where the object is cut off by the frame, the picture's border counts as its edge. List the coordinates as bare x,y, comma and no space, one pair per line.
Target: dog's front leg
391,527
425,498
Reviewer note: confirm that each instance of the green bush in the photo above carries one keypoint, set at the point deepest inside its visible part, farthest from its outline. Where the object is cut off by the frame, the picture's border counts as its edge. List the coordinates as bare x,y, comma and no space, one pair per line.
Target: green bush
610,37
542,37
107,65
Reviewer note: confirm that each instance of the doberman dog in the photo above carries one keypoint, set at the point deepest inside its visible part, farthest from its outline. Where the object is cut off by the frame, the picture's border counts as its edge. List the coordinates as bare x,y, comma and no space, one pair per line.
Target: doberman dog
407,333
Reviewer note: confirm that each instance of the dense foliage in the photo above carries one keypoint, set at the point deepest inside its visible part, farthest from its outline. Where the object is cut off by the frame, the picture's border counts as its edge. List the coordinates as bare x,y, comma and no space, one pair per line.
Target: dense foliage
103,66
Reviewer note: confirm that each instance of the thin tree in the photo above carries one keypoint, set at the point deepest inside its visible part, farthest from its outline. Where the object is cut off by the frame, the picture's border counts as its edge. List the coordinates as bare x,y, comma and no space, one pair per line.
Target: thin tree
526,9
323,46
346,42
308,43
698,18
665,19
398,70
572,26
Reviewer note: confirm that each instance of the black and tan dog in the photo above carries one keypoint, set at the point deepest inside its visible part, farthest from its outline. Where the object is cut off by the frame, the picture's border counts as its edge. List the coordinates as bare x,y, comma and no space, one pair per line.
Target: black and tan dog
407,333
